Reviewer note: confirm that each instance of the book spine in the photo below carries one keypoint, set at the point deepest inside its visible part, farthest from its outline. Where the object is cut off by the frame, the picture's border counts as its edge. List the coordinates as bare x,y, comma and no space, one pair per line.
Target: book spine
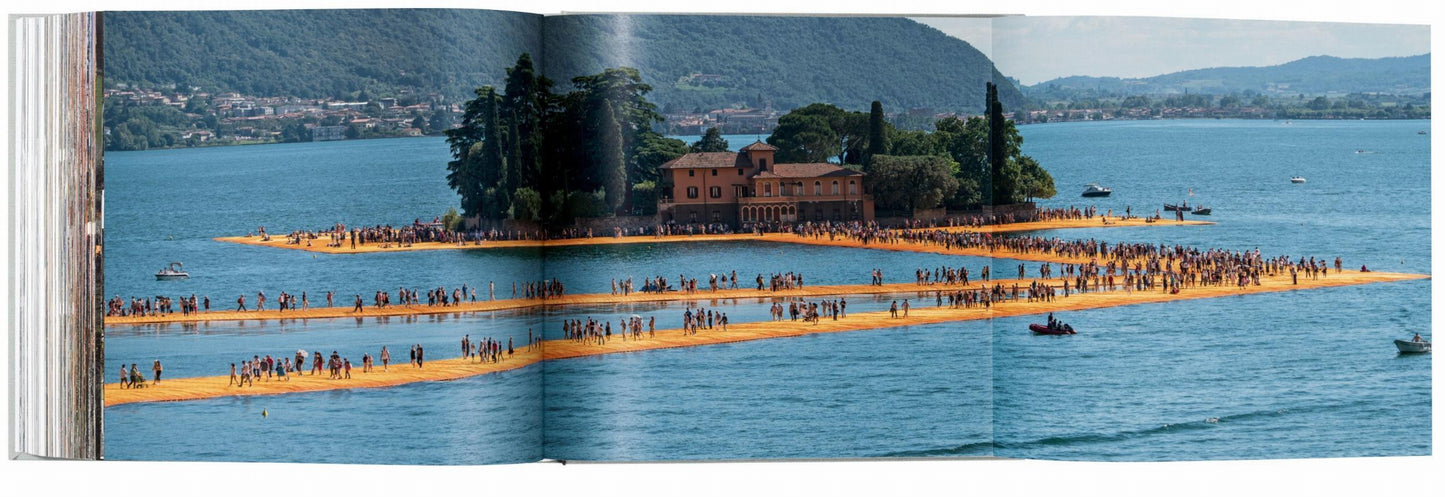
55,203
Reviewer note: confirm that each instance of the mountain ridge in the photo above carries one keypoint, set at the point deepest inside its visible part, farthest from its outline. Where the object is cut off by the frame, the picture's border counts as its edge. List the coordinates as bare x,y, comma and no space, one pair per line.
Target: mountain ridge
1312,75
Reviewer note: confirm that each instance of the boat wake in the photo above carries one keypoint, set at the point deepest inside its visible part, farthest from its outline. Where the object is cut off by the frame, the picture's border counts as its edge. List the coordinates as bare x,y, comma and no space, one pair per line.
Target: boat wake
992,448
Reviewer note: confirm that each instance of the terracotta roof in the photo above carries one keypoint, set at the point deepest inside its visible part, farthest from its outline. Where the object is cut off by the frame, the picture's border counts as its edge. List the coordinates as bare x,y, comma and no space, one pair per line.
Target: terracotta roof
816,170
707,160
758,145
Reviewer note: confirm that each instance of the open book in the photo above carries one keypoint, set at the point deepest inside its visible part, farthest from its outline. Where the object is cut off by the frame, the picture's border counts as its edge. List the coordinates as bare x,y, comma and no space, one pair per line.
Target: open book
474,237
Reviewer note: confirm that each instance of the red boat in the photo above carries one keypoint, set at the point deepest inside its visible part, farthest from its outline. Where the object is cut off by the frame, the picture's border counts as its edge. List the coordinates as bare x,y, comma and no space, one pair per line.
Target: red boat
1039,329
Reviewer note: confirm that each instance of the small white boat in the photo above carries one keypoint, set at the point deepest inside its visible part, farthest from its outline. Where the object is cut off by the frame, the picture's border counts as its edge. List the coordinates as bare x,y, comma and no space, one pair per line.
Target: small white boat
1094,190
172,272
1412,347
1297,179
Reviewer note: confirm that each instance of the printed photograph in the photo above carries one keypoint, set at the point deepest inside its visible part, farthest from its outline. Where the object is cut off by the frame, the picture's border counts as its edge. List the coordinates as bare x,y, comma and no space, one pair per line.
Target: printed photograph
455,237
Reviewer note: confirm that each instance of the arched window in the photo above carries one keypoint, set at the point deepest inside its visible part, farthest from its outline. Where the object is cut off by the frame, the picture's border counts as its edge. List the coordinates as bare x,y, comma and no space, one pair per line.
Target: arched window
835,187
767,189
852,187
818,188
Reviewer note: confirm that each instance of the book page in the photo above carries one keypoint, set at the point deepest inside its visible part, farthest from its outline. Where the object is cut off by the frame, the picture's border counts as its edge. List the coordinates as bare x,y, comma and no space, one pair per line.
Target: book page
1252,285
288,259
739,191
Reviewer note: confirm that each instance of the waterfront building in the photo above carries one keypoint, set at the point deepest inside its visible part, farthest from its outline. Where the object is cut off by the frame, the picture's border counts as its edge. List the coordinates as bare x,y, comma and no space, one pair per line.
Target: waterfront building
747,186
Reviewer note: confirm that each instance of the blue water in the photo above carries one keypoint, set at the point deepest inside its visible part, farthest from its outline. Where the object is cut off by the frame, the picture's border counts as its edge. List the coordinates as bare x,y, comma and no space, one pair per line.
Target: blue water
1286,375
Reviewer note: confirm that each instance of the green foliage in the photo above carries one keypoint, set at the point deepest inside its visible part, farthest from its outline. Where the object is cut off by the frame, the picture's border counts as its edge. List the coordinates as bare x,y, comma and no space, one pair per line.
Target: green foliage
527,205
611,158
877,132
451,220
654,150
792,61
585,204
711,141
1034,181
295,132
596,138
644,198
804,138
523,108
317,53
910,183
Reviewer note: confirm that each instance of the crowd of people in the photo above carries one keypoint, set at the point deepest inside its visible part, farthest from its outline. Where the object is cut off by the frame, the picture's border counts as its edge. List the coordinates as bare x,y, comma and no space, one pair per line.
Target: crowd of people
435,297
598,332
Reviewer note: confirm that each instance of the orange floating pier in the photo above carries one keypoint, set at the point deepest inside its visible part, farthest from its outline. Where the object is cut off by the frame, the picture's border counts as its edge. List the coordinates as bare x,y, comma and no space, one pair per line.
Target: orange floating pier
319,245
197,388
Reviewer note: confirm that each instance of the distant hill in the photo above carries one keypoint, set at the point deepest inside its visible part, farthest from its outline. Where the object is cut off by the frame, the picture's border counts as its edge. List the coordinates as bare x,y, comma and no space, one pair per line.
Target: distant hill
1311,76
690,60
792,61
318,53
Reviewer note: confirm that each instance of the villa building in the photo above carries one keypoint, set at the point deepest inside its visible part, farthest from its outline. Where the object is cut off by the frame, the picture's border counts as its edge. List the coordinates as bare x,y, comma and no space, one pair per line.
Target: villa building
739,188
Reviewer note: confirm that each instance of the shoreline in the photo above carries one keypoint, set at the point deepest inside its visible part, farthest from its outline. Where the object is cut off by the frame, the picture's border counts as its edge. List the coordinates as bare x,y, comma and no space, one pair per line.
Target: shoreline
319,245
208,387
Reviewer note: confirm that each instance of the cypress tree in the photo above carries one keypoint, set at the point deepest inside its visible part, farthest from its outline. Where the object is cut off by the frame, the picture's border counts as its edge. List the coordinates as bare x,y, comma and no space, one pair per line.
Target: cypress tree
877,132
611,157
1003,182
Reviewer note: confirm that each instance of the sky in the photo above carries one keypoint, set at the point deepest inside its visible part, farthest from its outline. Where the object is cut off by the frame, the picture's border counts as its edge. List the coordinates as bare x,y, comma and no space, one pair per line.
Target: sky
1037,49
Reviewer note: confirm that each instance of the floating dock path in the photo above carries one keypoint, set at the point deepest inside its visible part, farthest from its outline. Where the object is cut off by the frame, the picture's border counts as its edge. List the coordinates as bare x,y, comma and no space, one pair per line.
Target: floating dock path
580,299
319,245
197,388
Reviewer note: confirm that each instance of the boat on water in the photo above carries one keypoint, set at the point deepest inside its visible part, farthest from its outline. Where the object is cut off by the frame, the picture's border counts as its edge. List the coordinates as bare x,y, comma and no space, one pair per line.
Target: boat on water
1094,190
1181,207
1061,329
1297,179
1422,132
1412,347
1202,211
172,272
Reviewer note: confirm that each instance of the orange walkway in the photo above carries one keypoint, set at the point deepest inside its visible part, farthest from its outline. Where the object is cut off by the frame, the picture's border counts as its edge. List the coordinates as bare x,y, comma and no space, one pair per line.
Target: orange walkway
450,369
581,299
319,245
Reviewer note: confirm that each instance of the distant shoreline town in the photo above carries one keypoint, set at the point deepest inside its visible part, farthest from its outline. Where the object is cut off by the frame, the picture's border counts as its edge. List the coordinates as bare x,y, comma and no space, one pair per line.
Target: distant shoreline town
156,118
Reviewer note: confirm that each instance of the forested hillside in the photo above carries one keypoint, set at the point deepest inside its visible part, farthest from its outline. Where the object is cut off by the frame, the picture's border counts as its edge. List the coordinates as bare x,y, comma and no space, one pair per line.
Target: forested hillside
707,61
1310,76
317,53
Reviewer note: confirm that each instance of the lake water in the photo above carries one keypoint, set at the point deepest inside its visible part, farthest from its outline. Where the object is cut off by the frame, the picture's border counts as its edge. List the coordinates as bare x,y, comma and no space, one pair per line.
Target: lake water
1297,374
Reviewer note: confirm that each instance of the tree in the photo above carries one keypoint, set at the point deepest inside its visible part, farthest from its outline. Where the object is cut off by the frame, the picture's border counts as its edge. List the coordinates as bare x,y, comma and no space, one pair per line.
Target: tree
295,132
877,132
654,150
910,183
712,141
819,132
1034,182
478,169
804,137
1004,180
440,120
611,158
523,108
419,124
352,132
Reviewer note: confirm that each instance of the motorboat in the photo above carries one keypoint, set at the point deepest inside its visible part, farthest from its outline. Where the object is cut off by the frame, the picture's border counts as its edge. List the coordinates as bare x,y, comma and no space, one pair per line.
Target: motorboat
1297,179
1062,329
1094,190
1202,211
1181,207
1412,347
172,272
